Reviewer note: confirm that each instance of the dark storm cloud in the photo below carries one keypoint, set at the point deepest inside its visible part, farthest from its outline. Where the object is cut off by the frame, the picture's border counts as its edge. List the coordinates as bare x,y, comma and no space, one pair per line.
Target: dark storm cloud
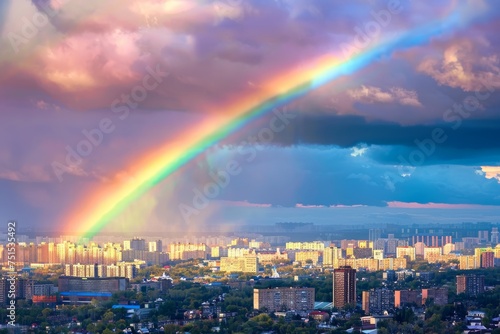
471,142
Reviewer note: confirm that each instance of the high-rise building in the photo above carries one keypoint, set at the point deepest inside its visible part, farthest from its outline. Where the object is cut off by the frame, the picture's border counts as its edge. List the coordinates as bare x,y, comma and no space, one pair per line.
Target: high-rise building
284,299
480,250
138,244
483,236
431,240
439,296
471,285
218,251
330,255
376,301
374,234
392,263
392,243
181,251
362,252
468,262
405,297
406,251
155,246
432,254
238,251
448,248
344,286
487,260
495,239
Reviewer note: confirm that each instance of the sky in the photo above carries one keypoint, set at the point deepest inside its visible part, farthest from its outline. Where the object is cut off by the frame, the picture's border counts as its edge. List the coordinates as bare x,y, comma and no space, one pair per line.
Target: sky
89,89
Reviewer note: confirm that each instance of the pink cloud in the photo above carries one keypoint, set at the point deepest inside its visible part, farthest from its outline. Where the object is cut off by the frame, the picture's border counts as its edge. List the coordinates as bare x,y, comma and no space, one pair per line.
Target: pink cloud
399,95
470,63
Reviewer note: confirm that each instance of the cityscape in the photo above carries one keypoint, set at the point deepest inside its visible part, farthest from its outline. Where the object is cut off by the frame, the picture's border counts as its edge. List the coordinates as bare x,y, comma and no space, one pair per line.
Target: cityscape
249,167
191,283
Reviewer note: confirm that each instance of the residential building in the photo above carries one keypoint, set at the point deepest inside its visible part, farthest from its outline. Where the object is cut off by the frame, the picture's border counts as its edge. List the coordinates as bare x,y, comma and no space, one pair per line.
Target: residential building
330,255
407,252
438,296
305,256
314,245
407,297
471,285
284,299
432,254
81,290
468,262
245,264
487,260
344,286
376,301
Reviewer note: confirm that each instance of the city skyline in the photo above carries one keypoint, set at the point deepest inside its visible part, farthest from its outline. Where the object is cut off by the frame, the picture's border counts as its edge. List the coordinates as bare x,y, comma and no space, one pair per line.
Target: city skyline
227,113
249,166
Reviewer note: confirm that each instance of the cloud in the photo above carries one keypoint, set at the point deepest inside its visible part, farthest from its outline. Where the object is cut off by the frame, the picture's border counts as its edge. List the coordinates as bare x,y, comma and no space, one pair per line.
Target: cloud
210,47
303,206
325,177
491,172
461,66
370,94
472,138
244,204
415,205
358,151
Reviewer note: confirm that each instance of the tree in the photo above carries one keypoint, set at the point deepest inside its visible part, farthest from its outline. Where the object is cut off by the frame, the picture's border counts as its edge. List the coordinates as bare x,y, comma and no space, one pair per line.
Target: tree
172,329
46,312
91,328
135,319
108,316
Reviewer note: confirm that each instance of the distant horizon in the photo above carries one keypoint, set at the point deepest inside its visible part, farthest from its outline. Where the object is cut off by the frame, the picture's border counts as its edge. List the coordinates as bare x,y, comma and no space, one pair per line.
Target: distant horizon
346,216
183,117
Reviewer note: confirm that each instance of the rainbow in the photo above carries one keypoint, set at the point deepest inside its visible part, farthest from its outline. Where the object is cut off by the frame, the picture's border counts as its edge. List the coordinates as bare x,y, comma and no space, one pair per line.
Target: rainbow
99,210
